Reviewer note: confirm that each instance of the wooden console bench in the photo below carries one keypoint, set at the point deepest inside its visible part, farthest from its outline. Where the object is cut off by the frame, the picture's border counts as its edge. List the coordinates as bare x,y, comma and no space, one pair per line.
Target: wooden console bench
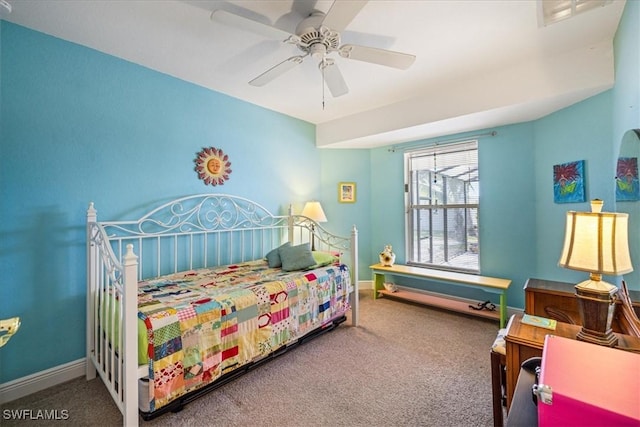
489,284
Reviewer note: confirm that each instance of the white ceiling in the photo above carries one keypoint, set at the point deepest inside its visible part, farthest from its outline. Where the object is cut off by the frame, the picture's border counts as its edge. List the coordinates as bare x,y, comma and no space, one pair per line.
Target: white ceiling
480,63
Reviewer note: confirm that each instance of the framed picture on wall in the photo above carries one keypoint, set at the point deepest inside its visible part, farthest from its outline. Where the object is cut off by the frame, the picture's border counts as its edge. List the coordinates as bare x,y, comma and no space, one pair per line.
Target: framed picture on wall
347,192
627,180
568,182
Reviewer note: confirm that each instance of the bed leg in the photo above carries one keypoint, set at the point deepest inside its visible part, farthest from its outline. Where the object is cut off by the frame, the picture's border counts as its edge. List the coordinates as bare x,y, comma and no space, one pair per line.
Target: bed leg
90,370
92,267
130,341
354,266
355,307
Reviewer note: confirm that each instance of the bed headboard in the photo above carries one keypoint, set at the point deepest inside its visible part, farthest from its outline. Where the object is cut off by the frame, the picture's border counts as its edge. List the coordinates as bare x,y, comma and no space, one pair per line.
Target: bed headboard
206,230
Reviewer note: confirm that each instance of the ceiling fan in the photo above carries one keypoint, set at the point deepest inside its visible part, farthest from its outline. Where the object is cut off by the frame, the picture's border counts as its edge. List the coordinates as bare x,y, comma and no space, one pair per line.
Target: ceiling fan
318,36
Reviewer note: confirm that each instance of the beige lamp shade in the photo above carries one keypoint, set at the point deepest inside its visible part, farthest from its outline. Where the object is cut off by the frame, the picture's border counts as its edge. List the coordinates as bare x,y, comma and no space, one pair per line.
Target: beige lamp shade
597,243
314,211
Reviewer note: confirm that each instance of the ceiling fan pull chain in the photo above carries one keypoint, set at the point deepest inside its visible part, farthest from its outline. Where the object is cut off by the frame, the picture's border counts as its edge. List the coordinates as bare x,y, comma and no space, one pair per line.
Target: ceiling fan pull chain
322,83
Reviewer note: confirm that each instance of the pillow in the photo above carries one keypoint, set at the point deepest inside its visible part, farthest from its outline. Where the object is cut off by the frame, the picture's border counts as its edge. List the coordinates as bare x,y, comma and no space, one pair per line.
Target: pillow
323,258
273,257
296,257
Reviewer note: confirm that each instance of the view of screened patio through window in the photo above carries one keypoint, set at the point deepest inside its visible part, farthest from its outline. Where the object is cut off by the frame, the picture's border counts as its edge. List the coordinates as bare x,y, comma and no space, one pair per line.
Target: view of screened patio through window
442,185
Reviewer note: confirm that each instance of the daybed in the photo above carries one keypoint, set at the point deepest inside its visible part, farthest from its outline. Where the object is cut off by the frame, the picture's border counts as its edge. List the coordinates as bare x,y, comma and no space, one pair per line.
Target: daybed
203,289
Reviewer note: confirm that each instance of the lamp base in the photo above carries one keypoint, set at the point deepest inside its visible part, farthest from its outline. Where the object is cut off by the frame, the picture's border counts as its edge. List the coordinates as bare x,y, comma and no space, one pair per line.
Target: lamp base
596,312
607,339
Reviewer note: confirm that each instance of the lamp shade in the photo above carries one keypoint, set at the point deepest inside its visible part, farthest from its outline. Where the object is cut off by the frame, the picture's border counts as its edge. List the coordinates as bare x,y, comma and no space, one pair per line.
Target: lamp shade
314,211
597,243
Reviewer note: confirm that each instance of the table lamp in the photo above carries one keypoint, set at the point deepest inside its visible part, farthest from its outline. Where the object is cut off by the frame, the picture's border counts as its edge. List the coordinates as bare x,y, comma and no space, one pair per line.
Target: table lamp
314,211
596,242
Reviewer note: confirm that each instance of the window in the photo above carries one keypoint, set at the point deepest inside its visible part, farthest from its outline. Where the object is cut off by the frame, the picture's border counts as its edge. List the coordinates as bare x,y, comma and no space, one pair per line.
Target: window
443,188
551,11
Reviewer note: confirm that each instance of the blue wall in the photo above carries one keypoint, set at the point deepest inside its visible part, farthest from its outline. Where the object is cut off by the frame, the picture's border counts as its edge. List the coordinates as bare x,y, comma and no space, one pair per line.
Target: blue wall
582,132
626,113
521,228
348,166
80,126
507,211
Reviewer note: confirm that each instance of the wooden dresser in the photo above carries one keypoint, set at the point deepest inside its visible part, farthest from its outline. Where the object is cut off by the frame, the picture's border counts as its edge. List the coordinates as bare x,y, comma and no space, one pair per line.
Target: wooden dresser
557,300
524,341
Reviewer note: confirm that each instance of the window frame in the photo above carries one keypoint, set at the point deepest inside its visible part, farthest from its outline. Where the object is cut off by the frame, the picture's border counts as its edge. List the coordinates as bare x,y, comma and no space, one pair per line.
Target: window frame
411,209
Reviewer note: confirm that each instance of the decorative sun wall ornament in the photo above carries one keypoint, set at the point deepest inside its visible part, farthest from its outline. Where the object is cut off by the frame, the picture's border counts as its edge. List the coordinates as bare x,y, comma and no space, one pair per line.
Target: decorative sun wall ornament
213,166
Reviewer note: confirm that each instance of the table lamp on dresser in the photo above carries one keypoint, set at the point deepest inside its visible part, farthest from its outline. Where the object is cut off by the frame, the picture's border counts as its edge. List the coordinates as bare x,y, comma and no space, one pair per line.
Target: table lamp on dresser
596,242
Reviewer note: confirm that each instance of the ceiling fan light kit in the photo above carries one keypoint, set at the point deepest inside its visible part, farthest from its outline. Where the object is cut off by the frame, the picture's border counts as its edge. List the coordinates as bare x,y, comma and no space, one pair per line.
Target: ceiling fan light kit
318,36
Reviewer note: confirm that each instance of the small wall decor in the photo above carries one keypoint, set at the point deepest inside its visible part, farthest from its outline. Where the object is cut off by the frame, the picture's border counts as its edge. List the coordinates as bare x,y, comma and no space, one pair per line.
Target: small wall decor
213,166
568,182
627,182
347,192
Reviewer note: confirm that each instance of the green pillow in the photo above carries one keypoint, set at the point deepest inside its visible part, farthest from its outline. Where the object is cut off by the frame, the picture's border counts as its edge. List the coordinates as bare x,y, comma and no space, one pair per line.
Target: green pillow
323,258
273,257
296,257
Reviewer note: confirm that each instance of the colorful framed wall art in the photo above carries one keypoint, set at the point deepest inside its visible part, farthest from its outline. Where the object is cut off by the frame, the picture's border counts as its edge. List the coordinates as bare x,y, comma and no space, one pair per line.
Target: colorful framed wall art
347,192
568,182
627,181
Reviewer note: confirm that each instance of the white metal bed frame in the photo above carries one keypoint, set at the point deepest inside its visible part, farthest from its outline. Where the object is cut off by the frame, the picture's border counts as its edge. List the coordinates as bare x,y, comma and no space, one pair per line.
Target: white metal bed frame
197,231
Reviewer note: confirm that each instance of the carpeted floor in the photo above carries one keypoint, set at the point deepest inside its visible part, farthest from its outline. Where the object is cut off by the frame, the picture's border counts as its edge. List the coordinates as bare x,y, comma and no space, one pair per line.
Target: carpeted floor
405,365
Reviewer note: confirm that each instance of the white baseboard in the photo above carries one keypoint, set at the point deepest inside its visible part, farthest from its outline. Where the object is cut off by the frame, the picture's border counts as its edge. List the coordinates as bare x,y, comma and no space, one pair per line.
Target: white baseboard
42,380
365,284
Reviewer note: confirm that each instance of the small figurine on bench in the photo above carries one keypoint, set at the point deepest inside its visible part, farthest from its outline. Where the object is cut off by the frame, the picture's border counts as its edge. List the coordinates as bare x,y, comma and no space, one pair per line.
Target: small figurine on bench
387,257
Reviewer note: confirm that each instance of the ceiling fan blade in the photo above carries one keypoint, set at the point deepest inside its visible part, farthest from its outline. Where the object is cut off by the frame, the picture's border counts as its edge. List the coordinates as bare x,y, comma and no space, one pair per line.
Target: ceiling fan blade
233,20
374,55
342,13
333,78
276,71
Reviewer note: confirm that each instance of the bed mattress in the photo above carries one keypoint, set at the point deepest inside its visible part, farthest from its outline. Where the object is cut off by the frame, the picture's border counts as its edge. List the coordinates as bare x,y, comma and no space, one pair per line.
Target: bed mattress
201,324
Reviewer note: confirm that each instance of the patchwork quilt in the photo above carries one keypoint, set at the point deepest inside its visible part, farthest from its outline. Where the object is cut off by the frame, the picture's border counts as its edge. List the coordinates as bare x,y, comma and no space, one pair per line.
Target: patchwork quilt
201,324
